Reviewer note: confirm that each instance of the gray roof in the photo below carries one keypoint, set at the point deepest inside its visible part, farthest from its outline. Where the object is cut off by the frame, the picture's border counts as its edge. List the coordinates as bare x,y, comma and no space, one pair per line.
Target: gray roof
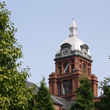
66,103
30,84
56,101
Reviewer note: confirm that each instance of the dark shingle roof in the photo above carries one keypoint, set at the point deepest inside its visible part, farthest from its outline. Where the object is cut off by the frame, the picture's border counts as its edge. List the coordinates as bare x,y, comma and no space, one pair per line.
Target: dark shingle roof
56,101
66,103
31,85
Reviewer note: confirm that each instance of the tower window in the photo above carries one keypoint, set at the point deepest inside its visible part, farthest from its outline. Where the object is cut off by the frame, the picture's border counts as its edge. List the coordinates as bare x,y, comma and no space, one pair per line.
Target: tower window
59,88
66,67
65,87
88,71
59,70
80,66
72,67
84,68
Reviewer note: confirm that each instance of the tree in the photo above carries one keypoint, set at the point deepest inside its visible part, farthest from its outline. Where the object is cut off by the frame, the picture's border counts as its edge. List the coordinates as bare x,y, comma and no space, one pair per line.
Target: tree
43,100
73,107
104,102
84,95
13,92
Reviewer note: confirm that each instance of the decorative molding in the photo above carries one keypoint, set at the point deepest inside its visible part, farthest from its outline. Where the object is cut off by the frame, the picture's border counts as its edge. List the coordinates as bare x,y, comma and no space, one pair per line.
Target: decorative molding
71,54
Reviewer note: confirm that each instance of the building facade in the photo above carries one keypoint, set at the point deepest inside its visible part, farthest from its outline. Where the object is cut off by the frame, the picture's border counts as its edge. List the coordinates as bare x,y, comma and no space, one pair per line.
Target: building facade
72,59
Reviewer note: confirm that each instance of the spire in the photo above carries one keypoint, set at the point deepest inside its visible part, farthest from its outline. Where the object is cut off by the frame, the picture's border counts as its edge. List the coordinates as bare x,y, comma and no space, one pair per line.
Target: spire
73,29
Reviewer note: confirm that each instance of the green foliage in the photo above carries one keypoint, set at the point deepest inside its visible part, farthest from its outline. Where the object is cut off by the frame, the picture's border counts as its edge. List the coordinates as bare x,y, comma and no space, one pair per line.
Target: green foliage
72,107
104,103
13,92
43,100
84,95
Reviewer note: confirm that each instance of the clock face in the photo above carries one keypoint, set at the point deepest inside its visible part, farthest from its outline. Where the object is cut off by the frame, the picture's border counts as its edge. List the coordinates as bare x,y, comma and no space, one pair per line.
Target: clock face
84,52
65,51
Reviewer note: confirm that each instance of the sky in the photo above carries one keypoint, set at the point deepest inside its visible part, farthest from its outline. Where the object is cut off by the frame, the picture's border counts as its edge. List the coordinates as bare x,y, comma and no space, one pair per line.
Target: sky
44,25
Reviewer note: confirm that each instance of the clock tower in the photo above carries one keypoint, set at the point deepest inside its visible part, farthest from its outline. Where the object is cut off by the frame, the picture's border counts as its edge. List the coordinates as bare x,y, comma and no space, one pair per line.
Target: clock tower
72,59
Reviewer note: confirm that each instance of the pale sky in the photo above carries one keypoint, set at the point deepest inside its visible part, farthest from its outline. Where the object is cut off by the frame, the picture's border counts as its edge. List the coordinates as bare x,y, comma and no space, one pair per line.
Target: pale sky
44,25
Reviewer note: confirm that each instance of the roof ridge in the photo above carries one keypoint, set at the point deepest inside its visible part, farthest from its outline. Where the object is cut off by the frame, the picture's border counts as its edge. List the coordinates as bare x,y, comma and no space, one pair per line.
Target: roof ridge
58,97
31,83
57,100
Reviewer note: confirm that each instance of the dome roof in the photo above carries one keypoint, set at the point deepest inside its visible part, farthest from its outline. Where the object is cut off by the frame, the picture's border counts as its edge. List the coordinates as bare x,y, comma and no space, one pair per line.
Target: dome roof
73,40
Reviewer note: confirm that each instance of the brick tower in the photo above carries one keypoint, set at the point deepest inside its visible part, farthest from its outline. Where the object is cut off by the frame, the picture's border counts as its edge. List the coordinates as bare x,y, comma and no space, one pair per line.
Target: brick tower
71,60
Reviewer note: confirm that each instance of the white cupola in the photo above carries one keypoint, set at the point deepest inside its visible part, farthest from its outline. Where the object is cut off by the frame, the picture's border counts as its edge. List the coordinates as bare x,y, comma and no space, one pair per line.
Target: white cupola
73,45
73,29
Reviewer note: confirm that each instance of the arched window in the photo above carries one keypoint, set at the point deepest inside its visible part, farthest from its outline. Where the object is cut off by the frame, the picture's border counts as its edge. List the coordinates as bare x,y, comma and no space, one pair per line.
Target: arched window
88,71
72,67
59,88
65,87
66,67
84,68
59,70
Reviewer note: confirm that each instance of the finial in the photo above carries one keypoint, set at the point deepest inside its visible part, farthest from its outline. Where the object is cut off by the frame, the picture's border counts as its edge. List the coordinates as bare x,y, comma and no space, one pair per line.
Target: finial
73,29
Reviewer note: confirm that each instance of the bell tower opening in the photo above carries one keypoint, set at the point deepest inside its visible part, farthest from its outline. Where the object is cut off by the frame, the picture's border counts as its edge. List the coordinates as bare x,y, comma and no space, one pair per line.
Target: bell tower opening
84,68
59,88
66,67
65,87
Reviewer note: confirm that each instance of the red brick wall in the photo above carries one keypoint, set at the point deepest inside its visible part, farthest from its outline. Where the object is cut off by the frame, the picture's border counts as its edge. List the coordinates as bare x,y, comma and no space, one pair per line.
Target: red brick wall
55,77
57,107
